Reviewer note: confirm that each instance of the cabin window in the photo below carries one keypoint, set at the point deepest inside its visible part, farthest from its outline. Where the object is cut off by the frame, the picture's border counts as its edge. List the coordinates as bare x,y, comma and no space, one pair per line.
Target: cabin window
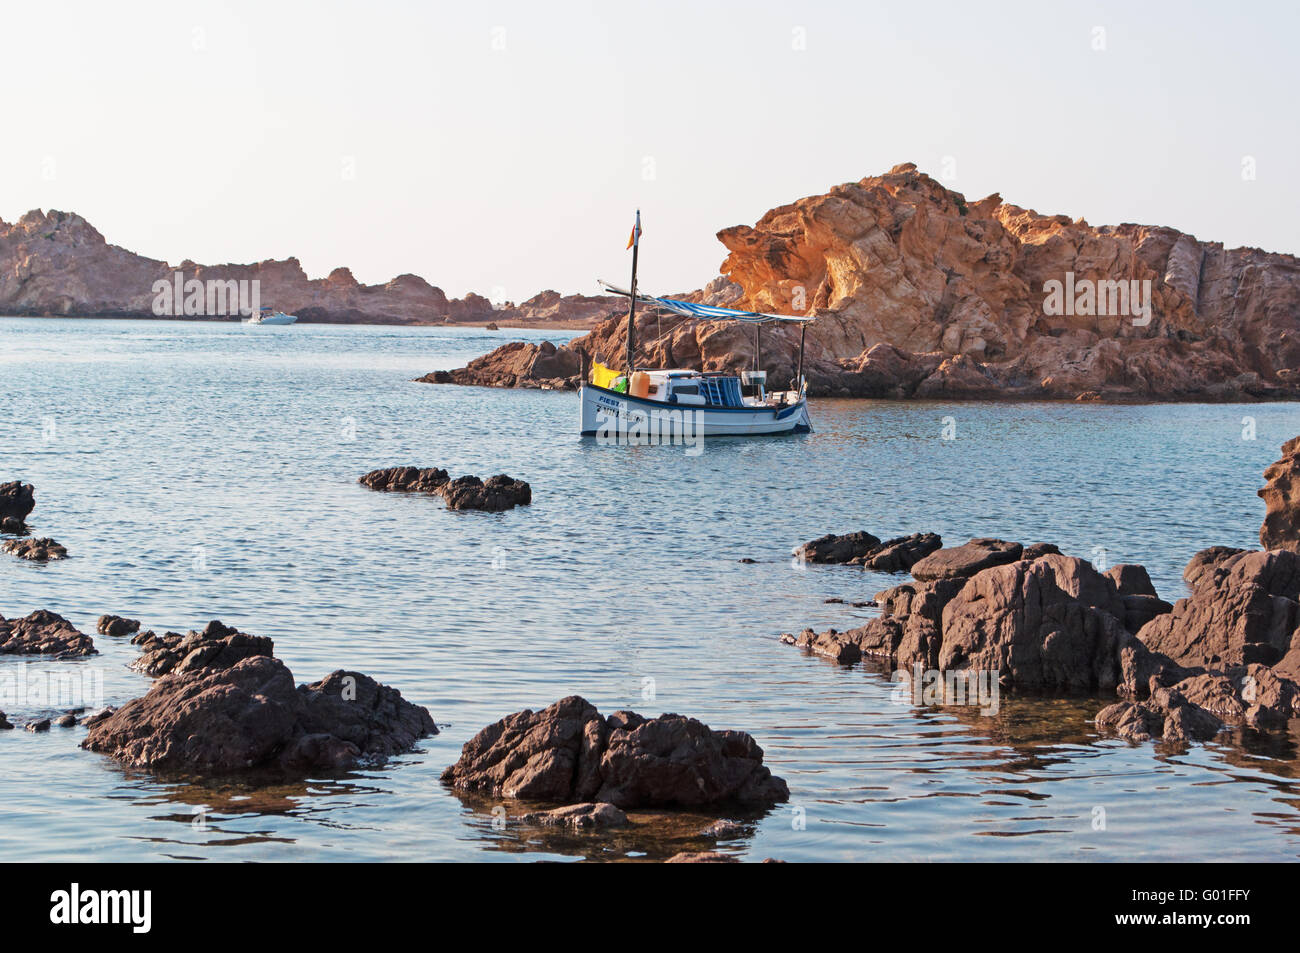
686,389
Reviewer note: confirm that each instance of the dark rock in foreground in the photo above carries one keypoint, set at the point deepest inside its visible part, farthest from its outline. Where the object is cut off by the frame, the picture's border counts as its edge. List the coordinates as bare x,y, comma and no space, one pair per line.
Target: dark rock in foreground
406,479
1281,529
43,633
36,549
13,526
250,716
1243,609
863,549
116,625
17,499
569,753
4,723
496,493
966,560
217,646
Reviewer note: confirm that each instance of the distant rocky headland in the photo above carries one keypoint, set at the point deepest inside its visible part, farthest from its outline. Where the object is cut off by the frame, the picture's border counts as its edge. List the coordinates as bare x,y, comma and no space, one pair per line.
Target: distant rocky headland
57,264
919,293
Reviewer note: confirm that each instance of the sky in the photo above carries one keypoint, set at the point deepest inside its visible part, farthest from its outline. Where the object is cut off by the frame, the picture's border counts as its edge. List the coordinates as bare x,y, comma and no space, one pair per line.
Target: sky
503,147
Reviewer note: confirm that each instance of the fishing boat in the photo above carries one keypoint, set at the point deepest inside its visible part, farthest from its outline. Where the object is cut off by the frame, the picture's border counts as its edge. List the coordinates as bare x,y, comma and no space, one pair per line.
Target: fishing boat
661,403
270,316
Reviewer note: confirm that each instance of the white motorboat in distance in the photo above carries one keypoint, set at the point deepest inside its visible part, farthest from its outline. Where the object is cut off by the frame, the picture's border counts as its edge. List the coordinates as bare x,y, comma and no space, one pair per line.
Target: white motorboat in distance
270,316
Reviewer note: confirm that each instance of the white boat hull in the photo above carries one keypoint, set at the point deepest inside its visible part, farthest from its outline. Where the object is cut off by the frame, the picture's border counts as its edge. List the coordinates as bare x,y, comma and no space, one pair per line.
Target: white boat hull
609,413
273,319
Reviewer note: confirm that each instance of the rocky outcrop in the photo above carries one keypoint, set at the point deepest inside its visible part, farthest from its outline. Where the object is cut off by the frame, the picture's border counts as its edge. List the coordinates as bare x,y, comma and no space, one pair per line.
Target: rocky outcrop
218,646
249,716
496,493
1281,529
17,500
57,263
44,633
568,753
116,625
863,549
406,479
966,560
1050,625
920,293
35,549
517,364
1243,609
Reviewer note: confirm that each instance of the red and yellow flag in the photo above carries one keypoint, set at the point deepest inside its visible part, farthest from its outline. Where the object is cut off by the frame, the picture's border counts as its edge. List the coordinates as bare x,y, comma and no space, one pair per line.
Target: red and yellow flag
635,237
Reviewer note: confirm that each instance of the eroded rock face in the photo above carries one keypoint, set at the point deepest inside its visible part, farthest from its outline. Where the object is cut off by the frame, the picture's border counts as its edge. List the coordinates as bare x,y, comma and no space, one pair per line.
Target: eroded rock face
966,560
217,646
570,754
17,500
406,479
1281,529
35,549
43,633
496,493
1243,609
921,293
1048,625
250,716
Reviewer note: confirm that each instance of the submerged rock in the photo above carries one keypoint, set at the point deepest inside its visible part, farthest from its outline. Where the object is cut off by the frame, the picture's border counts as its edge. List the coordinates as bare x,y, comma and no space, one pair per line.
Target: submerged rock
405,479
43,633
250,716
40,549
217,646
701,857
17,500
585,816
116,625
496,493
568,753
1281,529
966,560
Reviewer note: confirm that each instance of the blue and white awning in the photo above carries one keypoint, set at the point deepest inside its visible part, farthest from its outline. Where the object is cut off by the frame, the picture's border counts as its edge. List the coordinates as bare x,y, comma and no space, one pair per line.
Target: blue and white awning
706,311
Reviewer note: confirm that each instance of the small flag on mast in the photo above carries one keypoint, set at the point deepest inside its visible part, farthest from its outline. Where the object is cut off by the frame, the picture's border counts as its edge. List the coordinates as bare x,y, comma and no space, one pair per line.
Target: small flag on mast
635,237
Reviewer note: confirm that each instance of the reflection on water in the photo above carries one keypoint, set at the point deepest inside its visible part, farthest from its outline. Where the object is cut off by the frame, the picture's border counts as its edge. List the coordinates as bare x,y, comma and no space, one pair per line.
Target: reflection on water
208,471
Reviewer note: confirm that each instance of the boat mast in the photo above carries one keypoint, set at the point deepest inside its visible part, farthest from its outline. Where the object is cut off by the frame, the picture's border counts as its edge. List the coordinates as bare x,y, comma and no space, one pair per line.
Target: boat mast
631,301
803,330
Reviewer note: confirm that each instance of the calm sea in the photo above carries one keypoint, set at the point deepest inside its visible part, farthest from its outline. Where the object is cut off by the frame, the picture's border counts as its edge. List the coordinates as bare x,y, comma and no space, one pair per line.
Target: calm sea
201,471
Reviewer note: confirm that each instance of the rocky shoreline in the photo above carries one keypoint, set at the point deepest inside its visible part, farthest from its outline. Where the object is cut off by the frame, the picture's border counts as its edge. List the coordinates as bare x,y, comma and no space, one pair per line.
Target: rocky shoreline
1035,620
56,264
